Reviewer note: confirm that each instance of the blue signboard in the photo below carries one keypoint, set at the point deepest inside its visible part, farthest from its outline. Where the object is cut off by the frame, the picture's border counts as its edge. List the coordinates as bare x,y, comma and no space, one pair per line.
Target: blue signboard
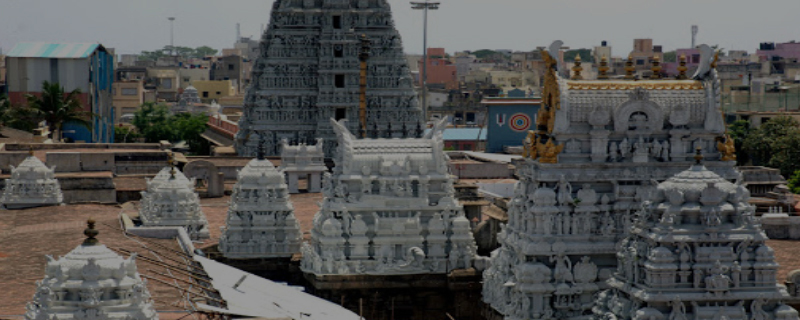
508,124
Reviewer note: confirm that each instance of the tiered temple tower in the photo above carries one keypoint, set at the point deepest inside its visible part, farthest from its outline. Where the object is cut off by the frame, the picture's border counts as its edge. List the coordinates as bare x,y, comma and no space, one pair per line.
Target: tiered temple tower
261,221
32,184
309,69
173,203
696,251
600,148
389,209
91,282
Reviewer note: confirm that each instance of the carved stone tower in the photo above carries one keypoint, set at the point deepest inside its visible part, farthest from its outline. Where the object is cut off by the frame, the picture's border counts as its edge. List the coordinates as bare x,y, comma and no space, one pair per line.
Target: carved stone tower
308,72
600,149
695,252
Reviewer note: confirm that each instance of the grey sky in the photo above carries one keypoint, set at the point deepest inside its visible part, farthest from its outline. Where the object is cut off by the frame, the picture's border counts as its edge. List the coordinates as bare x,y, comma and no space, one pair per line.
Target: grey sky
136,25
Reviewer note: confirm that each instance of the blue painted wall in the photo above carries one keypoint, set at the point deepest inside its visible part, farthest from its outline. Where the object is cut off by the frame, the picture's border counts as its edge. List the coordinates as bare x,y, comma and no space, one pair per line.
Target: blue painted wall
102,76
502,132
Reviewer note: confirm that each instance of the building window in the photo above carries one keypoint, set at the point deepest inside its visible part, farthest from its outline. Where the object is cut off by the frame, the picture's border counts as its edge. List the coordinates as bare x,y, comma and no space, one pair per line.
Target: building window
129,91
341,113
339,81
337,22
639,62
185,79
205,94
219,92
338,52
230,67
166,83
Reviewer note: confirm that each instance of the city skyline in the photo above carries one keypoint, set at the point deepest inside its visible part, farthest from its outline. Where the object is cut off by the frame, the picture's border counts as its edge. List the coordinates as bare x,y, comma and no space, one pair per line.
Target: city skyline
502,24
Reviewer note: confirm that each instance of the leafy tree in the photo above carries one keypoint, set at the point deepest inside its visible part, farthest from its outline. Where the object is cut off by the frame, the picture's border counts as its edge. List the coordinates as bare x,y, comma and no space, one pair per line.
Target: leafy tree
123,134
484,53
56,107
155,123
794,182
151,55
586,55
670,56
739,130
205,51
775,144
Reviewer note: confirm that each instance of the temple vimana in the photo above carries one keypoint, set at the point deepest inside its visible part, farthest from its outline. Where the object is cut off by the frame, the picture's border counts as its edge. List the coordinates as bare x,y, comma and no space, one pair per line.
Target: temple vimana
624,202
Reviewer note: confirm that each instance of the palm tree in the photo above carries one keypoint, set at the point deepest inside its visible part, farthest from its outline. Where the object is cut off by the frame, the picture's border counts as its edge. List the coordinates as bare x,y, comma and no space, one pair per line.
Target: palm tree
57,107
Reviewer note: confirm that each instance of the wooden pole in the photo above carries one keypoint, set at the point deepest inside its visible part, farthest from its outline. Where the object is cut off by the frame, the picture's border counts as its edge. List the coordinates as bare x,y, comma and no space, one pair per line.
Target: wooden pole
361,308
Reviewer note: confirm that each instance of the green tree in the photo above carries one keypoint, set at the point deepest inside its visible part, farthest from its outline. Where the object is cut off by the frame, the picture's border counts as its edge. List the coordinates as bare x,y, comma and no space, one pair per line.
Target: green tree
56,107
204,51
586,55
123,134
484,53
190,127
794,182
155,123
776,144
670,56
739,130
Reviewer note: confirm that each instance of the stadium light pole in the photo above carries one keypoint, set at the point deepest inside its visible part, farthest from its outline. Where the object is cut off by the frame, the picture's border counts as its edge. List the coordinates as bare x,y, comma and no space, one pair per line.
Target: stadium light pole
171,35
425,6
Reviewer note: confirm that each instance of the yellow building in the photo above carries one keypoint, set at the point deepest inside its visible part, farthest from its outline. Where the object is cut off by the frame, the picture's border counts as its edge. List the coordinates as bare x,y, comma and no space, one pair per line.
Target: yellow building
128,96
214,89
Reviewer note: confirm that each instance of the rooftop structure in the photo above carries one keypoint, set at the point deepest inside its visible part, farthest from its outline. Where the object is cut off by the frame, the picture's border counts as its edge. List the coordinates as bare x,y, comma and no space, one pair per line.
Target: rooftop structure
303,161
32,184
91,282
389,209
599,150
308,72
261,221
173,203
695,251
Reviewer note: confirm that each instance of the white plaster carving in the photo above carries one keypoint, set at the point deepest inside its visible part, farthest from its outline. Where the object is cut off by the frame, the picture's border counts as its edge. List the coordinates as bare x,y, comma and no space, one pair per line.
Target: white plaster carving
32,184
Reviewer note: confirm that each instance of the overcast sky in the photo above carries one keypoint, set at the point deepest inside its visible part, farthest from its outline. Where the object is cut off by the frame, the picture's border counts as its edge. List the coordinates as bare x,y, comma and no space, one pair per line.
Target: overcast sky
133,26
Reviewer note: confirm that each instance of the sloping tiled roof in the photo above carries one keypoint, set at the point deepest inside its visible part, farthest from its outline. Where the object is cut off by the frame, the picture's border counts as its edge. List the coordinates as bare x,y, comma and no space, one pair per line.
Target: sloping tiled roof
53,50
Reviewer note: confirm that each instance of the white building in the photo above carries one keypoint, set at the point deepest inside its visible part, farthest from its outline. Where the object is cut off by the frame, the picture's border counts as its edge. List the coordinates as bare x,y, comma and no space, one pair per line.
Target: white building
173,203
261,221
91,282
389,209
32,184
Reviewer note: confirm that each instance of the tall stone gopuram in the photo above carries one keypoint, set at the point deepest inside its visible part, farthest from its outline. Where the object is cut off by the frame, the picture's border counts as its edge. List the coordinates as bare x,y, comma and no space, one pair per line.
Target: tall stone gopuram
309,71
696,251
600,148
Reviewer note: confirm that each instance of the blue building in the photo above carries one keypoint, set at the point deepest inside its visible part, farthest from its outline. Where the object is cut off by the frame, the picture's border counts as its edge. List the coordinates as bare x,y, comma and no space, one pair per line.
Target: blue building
509,119
85,66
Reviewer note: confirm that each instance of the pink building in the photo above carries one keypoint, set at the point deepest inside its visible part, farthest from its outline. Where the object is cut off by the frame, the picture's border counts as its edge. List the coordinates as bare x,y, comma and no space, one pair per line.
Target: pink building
692,61
440,70
788,50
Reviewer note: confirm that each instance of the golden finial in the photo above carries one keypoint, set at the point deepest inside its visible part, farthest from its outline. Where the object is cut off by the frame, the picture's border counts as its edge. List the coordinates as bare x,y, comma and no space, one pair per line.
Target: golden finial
90,232
30,151
682,68
577,68
171,159
629,69
602,69
698,157
716,59
656,68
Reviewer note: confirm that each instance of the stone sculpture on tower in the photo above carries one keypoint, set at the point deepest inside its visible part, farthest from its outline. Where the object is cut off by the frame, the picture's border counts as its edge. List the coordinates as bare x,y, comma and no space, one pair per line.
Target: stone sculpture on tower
308,72
261,221
91,282
172,202
696,251
32,184
600,148
389,209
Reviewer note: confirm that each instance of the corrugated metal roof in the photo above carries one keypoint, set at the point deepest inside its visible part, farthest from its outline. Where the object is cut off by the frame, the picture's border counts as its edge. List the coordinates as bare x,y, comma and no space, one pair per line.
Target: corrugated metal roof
461,134
52,50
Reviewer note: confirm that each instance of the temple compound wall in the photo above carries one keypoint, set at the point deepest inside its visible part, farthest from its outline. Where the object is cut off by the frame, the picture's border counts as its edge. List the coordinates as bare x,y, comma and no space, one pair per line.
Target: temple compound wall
309,71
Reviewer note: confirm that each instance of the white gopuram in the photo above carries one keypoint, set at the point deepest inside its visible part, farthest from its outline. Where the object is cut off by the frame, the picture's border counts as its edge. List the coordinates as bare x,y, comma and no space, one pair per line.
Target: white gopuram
261,221
389,209
32,184
696,251
173,203
303,161
91,282
599,150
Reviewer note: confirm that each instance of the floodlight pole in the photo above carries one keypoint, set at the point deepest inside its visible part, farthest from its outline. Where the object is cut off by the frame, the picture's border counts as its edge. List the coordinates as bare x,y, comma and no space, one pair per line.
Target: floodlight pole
425,6
171,35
